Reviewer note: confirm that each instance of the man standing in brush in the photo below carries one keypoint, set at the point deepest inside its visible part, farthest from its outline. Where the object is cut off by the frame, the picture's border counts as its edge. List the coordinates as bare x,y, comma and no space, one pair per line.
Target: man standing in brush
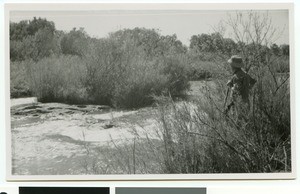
240,84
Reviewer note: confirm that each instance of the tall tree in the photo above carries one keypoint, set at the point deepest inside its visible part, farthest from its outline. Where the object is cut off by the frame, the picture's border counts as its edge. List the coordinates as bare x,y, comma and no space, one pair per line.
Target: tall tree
32,39
75,42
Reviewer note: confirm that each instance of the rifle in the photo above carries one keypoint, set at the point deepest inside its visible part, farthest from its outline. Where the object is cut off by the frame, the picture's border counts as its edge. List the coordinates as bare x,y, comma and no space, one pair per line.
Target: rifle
227,92
227,108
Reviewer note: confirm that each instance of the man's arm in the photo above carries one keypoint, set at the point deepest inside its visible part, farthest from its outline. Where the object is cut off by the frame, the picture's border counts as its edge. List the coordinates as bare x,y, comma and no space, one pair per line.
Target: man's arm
230,83
251,82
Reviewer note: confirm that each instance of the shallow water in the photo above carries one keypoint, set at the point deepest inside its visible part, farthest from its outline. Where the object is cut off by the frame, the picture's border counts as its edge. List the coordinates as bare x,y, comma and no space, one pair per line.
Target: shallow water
48,135
56,138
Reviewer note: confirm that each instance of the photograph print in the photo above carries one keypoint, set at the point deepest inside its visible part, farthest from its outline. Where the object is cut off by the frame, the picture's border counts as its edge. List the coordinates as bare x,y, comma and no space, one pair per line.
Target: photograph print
149,92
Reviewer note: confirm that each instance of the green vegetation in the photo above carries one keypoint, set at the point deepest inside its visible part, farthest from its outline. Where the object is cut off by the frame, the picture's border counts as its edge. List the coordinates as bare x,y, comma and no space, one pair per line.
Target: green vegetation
126,69
202,138
132,68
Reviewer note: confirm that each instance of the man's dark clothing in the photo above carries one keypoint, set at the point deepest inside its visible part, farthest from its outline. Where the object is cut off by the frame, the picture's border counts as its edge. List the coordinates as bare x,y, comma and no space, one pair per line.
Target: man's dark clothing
241,83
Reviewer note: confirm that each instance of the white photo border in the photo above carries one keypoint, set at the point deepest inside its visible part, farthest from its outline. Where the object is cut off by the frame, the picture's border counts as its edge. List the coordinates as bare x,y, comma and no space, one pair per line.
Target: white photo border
149,6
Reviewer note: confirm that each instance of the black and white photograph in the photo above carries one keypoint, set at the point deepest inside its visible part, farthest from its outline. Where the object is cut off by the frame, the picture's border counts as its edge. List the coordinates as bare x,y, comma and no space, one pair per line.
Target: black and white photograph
151,91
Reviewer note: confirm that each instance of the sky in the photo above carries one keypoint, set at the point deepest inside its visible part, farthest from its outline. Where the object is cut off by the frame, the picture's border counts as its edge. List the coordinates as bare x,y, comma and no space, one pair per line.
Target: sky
182,23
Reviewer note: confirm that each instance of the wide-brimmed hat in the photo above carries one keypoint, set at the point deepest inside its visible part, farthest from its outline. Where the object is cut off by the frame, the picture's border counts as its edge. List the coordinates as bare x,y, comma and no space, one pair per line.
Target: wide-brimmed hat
236,61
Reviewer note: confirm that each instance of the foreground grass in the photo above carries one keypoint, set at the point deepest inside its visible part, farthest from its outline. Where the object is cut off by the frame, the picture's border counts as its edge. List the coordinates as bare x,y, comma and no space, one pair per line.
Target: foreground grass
195,136
136,156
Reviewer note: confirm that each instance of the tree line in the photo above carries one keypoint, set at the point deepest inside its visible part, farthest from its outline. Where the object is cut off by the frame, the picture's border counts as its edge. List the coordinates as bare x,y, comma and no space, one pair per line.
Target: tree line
38,38
132,68
126,68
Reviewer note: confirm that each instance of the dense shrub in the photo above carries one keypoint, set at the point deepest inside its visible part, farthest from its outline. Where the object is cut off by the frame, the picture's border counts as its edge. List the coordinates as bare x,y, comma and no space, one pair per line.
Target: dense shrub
138,88
252,141
281,64
58,80
19,86
113,71
201,70
120,72
165,76
175,67
205,65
